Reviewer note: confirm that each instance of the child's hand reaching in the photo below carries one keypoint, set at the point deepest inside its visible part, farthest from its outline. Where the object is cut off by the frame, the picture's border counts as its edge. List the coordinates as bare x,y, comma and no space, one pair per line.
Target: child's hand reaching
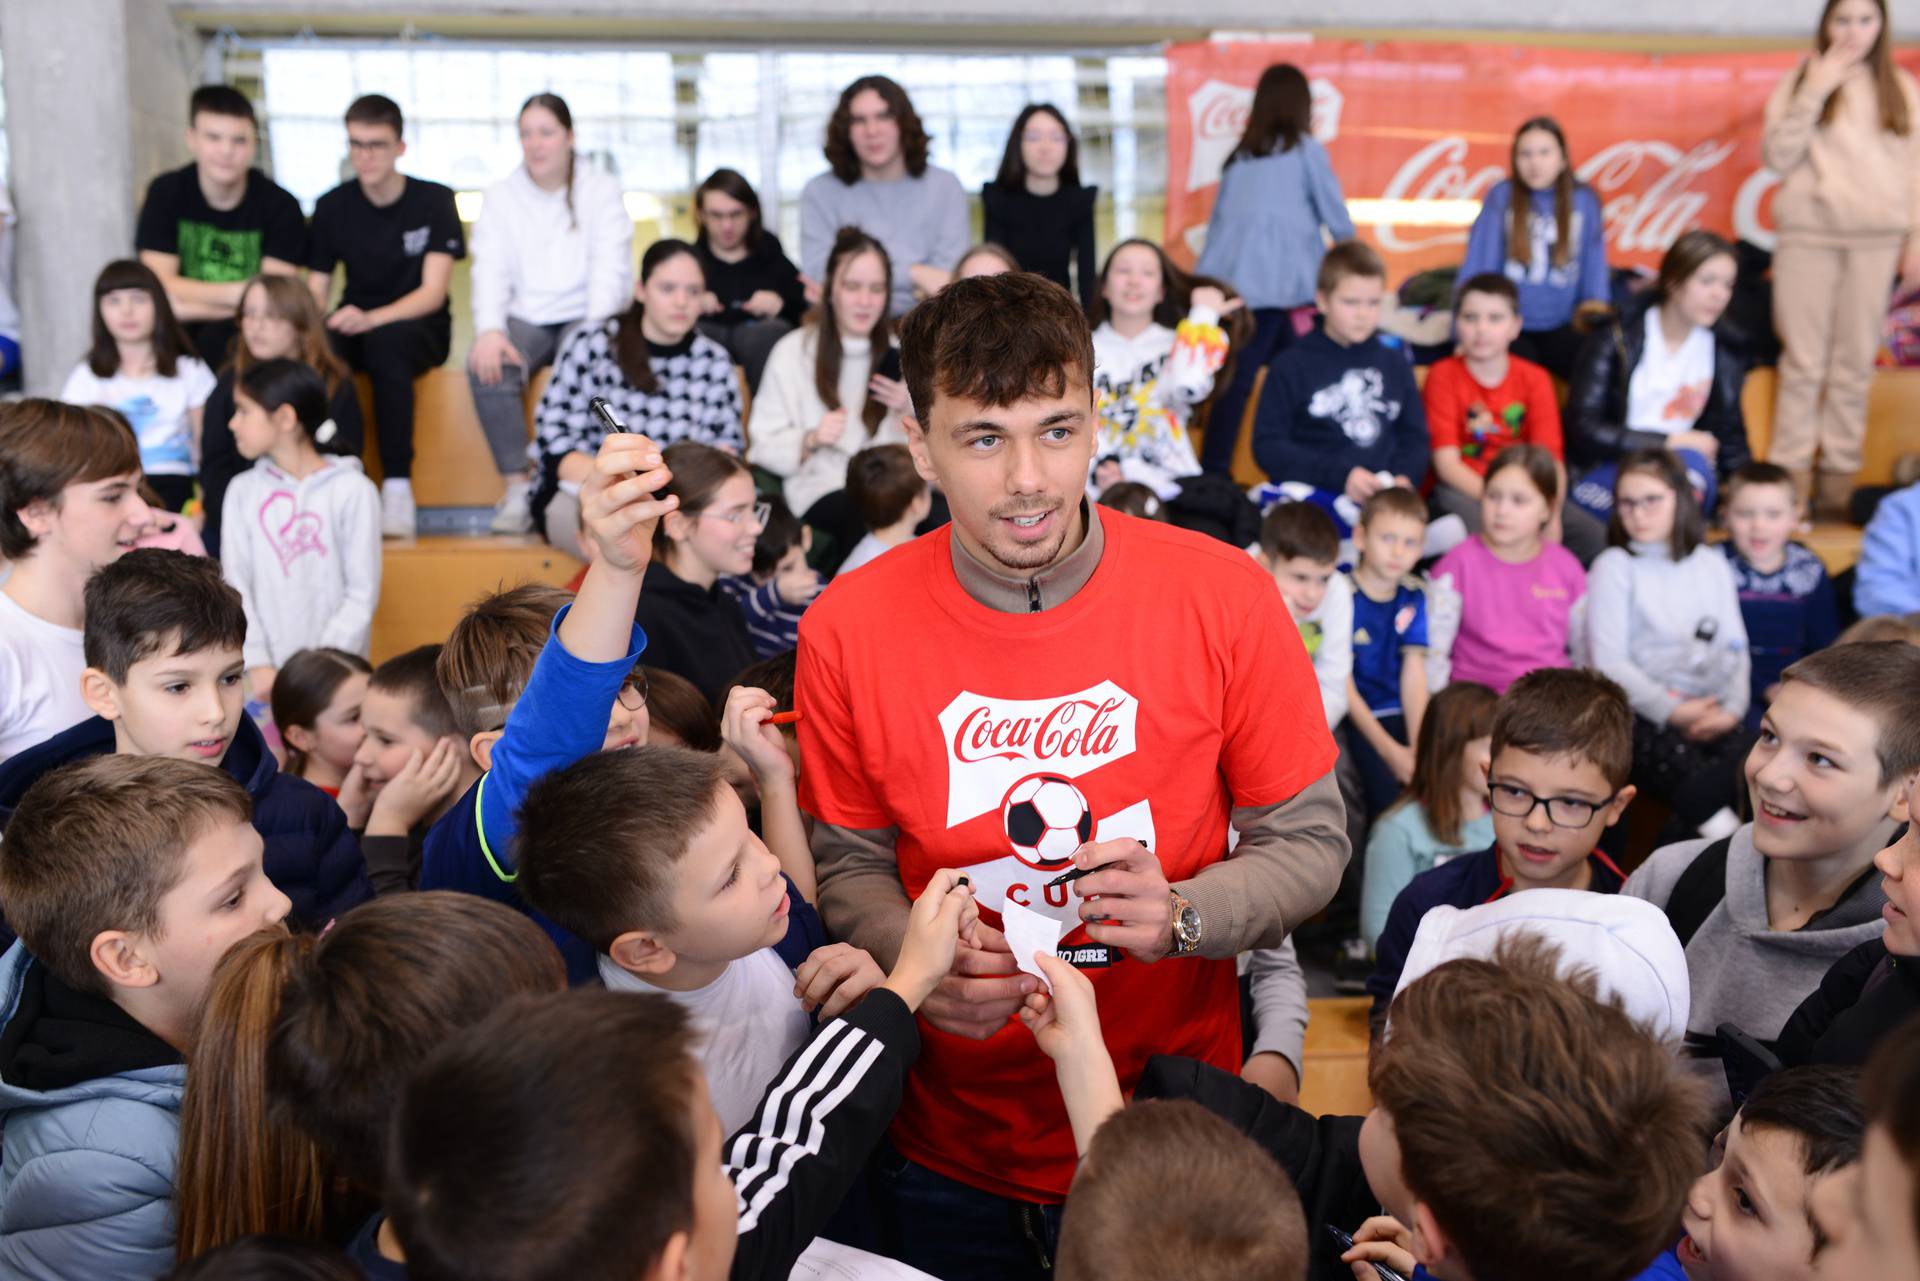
1066,1026
1381,1239
834,977
745,727
618,510
944,912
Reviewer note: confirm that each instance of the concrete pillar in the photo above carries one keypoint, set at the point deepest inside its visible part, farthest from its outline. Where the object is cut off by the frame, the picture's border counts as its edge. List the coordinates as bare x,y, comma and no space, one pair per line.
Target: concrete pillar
96,105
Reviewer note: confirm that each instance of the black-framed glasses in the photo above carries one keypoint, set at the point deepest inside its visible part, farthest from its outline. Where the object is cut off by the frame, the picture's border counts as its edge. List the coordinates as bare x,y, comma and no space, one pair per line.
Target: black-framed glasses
1562,811
633,694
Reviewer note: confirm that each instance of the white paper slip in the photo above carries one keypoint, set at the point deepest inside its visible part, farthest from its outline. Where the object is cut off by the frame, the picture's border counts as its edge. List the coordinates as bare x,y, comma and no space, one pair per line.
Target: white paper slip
826,1260
1028,932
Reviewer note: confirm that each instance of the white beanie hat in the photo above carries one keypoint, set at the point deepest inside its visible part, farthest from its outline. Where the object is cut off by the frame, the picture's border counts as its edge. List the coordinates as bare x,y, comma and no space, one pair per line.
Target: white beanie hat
1626,943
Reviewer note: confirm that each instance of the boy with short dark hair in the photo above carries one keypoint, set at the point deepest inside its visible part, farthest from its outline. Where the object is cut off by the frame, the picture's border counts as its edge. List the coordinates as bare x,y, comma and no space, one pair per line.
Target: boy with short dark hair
1483,398
1870,1217
1300,547
1340,411
1556,781
165,677
1786,598
208,228
625,1141
679,896
1764,912
781,585
411,766
891,497
127,877
522,709
69,503
398,238
1387,693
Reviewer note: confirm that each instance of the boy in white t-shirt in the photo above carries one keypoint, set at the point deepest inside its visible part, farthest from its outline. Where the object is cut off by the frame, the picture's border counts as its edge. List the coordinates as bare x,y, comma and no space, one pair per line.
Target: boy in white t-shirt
69,503
679,897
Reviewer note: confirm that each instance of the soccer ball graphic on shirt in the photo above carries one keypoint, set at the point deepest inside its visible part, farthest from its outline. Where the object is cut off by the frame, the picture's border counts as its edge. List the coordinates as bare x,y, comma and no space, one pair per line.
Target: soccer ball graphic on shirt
1046,819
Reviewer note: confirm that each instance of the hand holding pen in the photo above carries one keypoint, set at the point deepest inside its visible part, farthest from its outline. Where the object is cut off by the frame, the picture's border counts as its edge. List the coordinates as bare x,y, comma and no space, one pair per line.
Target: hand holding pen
1125,897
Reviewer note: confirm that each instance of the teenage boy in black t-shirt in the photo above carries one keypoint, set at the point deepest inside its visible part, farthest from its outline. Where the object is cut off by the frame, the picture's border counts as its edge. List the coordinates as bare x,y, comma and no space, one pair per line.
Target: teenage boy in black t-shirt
208,228
397,237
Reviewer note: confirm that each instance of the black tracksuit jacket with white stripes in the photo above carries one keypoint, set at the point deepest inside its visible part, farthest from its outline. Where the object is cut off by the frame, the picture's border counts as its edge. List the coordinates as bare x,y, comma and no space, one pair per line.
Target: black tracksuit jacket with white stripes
817,1124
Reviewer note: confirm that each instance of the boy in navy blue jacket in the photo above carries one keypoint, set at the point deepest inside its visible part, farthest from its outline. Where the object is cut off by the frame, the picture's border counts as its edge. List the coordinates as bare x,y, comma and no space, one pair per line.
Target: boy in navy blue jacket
1786,598
522,716
1340,411
164,677
1556,780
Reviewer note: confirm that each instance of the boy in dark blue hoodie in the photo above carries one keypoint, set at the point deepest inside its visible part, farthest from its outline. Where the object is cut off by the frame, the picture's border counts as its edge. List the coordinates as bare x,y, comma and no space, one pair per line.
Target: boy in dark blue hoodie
1340,411
165,678
1556,780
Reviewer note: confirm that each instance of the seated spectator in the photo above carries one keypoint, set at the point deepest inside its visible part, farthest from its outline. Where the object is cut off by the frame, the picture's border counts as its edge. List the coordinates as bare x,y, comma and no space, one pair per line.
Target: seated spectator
1766,911
1752,1213
164,677
1387,693
208,228
552,250
1036,211
589,1136
142,367
69,503
1157,344
777,591
833,387
1876,987
1299,546
1134,500
1888,579
754,297
303,539
410,764
879,181
1166,1188
1556,781
278,321
1663,619
693,627
1870,1219
1444,813
1666,374
397,237
985,259
316,707
1340,412
1519,592
661,378
1786,598
891,497
127,877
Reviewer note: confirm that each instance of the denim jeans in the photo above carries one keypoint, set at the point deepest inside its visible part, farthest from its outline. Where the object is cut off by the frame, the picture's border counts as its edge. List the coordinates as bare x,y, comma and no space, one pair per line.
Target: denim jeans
958,1233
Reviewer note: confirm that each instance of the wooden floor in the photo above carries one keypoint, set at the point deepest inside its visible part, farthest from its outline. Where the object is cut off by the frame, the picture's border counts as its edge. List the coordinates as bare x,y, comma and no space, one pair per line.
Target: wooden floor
427,583
1334,1076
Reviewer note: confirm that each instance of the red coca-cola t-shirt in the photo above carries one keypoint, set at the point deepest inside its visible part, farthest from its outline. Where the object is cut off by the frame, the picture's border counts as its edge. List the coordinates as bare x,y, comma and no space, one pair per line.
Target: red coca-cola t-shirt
1169,690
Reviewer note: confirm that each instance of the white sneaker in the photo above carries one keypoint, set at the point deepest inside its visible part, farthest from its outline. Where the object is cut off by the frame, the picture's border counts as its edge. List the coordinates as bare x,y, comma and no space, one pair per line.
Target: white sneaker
513,514
396,509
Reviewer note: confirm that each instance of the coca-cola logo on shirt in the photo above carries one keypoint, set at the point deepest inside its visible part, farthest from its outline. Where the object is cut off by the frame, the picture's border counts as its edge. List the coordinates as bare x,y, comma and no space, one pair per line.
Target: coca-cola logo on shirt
994,742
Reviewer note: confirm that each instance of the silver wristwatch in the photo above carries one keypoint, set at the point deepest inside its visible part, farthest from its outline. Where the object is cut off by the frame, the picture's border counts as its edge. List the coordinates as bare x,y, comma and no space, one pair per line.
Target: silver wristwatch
1186,926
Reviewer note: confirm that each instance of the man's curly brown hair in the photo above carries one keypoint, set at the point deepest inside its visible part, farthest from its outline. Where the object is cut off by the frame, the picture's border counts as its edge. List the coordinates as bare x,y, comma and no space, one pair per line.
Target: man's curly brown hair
913,135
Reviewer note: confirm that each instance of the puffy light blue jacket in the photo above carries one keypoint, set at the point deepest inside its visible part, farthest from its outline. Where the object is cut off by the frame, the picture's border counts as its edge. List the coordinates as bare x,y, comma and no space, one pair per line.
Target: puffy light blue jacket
86,1171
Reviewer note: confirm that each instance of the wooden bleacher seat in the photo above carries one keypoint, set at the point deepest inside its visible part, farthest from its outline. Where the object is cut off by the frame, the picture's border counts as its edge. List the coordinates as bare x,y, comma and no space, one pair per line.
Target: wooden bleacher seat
426,583
452,465
1334,1073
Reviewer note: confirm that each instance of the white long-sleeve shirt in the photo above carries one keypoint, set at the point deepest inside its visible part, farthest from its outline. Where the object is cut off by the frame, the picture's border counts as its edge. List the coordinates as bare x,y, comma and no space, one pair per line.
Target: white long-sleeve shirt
304,556
788,406
1648,624
1144,391
535,259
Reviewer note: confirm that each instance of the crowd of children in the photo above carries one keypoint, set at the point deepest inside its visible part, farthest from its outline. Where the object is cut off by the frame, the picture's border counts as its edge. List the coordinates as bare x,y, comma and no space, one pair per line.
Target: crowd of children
509,956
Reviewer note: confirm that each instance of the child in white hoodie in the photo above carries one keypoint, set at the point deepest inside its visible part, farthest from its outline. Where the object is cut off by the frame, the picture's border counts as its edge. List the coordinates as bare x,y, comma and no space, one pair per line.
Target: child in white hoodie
302,528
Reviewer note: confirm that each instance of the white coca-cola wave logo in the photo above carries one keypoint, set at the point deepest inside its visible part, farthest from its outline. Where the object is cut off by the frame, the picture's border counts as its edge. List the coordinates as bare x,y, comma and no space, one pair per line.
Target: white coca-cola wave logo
994,742
1218,112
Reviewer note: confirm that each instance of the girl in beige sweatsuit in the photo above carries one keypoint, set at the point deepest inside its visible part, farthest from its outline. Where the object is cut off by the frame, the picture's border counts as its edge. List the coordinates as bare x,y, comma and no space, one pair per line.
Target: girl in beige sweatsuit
1840,132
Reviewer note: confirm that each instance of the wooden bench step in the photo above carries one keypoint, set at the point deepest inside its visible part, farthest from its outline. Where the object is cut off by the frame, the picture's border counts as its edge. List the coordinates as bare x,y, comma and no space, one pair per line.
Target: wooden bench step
427,583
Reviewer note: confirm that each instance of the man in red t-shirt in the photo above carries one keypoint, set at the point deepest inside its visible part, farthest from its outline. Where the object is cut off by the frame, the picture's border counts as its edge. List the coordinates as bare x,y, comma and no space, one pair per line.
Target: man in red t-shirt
1041,685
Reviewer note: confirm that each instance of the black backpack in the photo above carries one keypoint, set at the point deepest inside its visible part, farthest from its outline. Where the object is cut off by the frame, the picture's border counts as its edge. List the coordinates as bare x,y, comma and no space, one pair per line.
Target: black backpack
1699,890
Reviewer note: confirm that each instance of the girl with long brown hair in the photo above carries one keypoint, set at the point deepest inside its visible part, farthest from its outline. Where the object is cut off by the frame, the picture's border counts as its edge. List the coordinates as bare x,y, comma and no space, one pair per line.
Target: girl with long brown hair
1840,133
278,321
1037,208
694,629
1541,228
553,248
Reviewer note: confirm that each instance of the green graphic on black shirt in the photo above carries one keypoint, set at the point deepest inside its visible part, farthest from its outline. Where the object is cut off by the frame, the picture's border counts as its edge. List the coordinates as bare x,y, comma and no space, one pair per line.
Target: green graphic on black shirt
218,254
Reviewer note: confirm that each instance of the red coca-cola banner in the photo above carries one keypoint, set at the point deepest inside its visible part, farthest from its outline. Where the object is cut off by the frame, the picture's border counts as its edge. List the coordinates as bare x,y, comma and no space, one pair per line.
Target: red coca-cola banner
1419,132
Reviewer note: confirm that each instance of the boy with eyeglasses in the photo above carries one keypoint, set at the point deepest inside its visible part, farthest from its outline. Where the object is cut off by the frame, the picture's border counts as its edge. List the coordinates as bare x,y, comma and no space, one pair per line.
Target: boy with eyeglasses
1556,780
534,683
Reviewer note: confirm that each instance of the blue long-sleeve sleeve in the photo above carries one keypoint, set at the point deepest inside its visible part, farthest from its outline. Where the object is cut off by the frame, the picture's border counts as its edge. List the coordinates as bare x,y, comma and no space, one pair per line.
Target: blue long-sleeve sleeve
1487,241
1596,283
1329,201
1888,580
